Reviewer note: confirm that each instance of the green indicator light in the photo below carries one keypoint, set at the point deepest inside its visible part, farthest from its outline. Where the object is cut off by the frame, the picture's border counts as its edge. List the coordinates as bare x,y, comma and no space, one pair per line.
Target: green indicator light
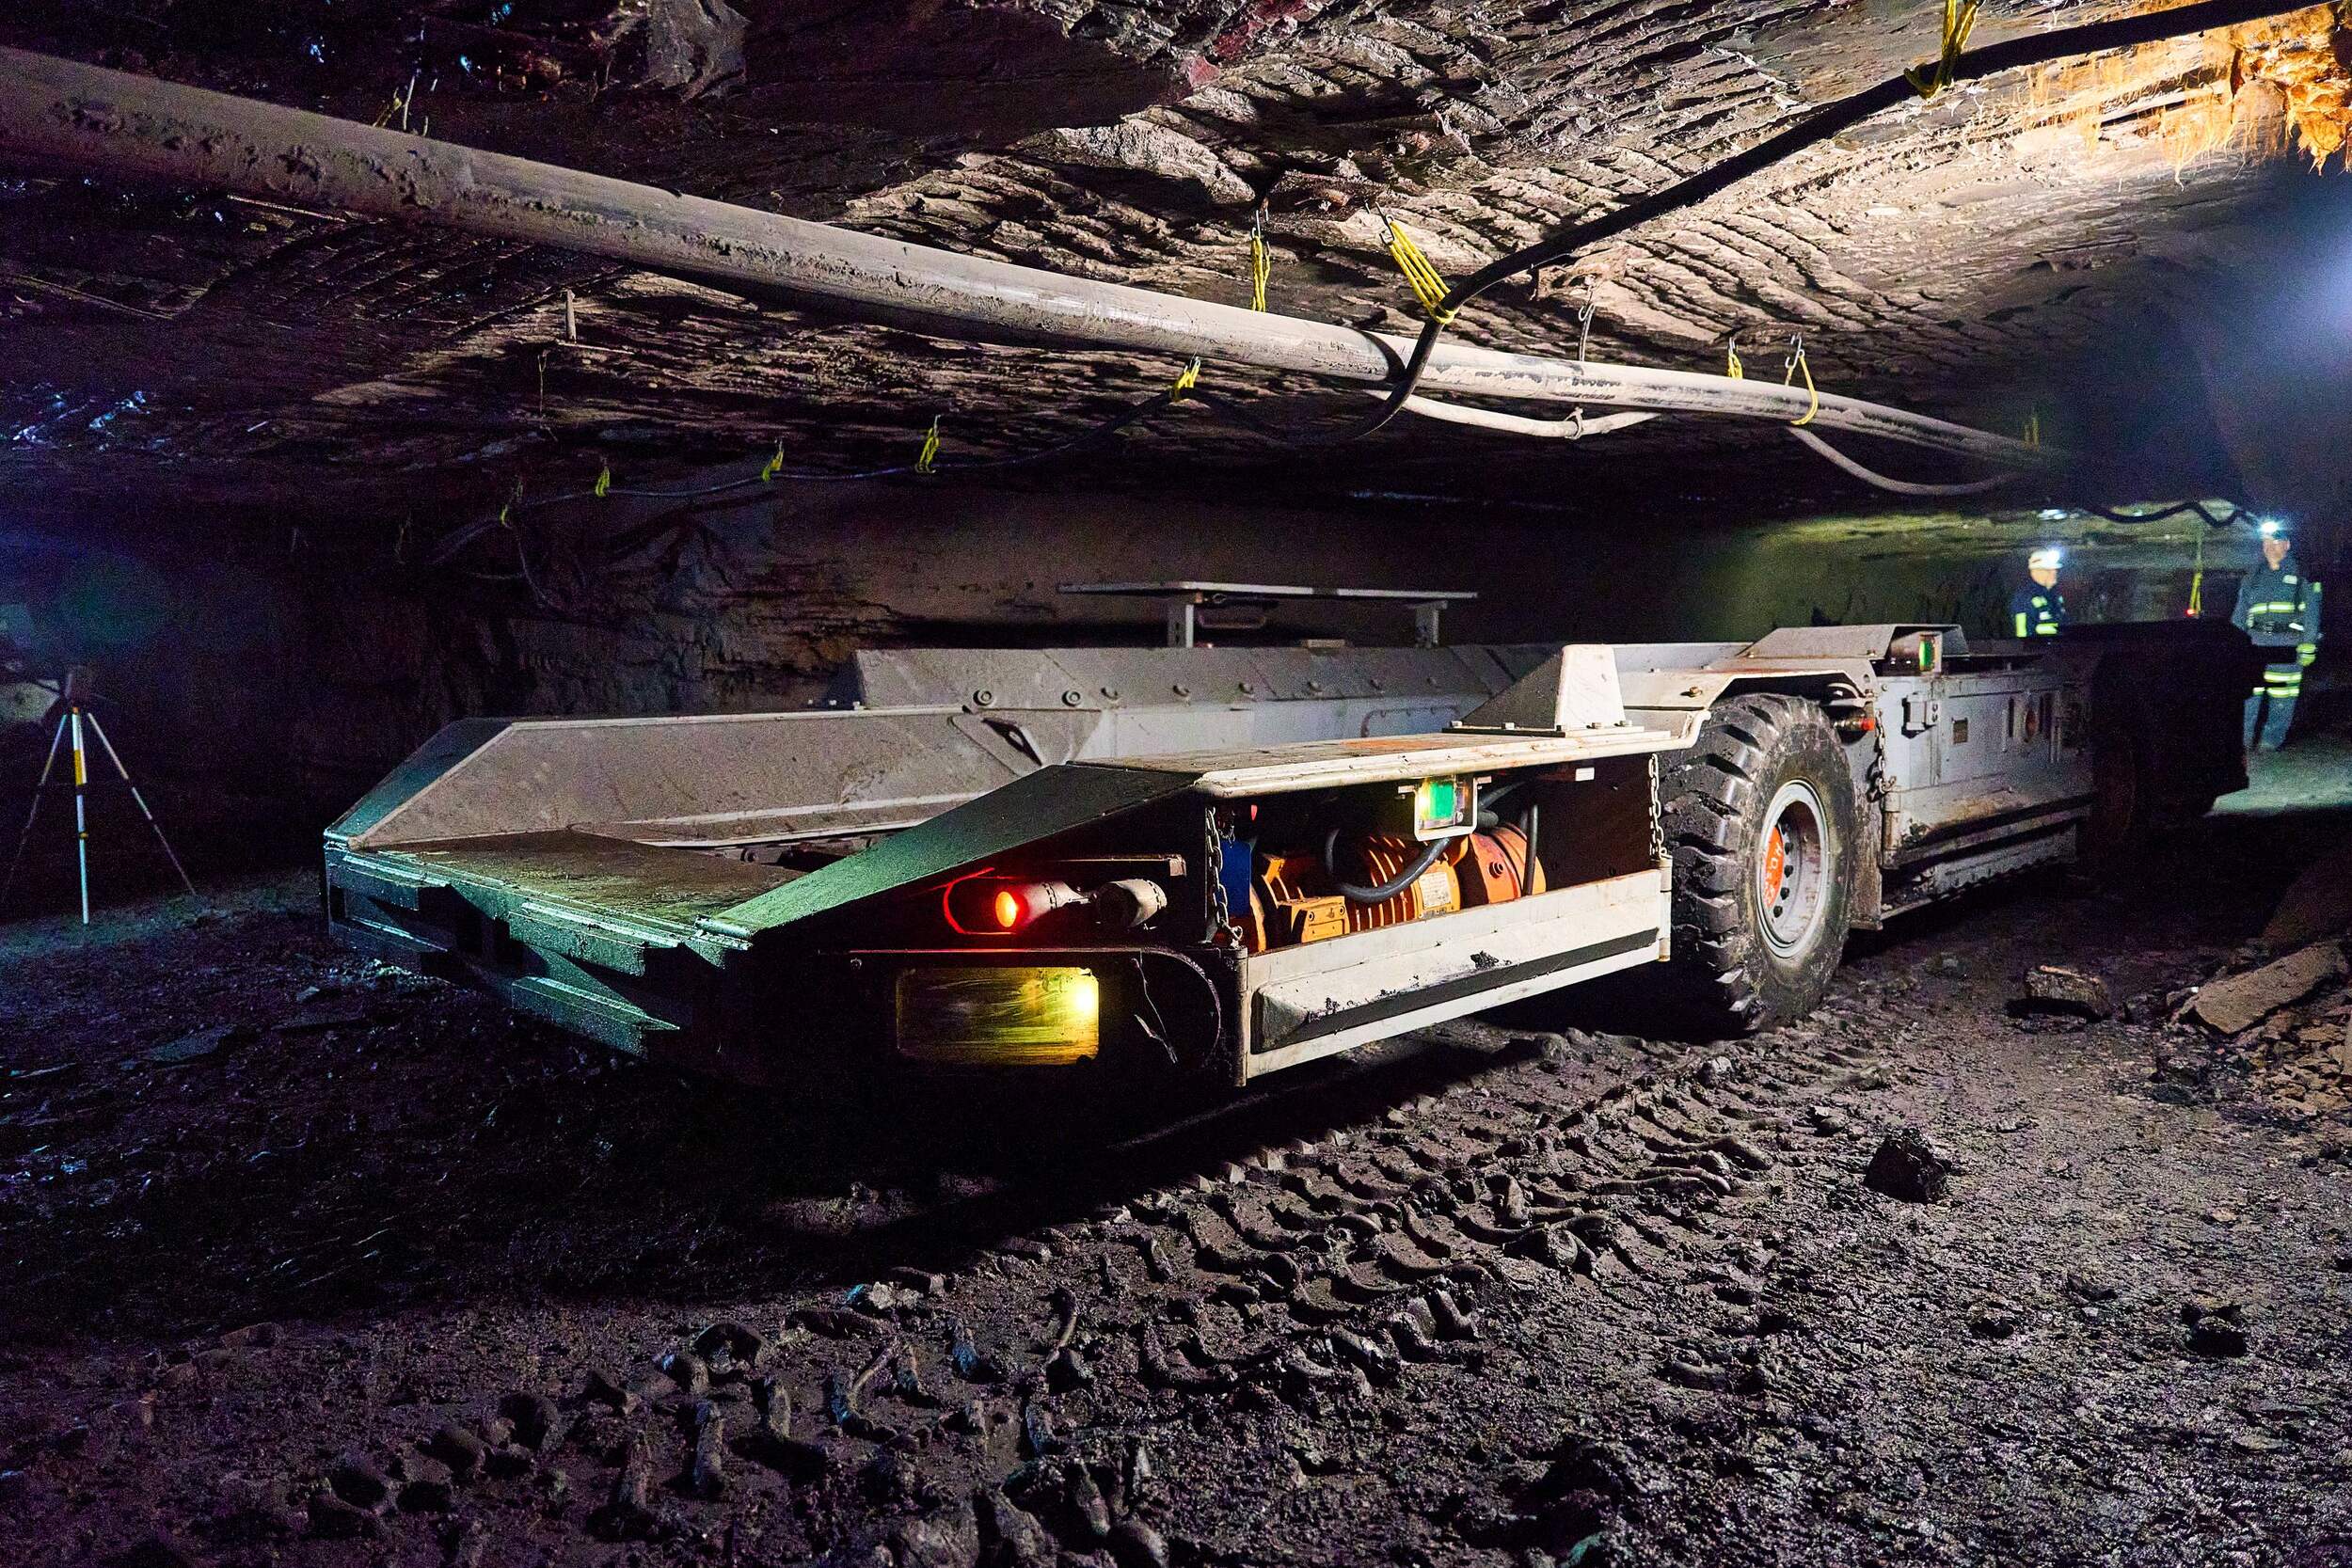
1438,803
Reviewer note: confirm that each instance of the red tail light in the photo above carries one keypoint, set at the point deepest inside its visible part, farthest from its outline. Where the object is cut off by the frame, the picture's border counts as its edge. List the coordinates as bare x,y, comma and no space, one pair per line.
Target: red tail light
990,907
1019,904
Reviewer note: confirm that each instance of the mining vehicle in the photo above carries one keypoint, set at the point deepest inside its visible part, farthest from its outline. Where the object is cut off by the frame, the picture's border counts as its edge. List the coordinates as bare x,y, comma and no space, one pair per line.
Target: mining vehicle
1212,864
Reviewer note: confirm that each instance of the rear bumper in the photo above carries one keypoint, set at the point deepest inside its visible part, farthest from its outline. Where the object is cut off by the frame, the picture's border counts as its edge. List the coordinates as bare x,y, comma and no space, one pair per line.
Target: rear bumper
1304,1003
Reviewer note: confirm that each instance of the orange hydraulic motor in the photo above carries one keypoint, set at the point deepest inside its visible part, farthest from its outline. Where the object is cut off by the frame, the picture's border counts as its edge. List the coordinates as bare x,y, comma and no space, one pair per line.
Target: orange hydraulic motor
1495,868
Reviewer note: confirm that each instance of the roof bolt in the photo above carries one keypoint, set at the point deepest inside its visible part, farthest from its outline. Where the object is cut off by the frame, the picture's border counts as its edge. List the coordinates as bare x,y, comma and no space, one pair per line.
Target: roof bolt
1379,685
983,698
1181,689
1248,689
1111,692
1072,697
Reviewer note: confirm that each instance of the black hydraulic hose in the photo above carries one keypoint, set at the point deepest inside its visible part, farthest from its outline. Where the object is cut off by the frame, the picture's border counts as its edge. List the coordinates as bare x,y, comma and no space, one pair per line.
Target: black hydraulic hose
2040,48
2173,510
1387,890
1527,829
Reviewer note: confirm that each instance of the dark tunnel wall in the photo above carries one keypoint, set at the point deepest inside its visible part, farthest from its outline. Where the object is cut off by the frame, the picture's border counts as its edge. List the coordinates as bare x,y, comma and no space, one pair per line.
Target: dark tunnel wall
262,693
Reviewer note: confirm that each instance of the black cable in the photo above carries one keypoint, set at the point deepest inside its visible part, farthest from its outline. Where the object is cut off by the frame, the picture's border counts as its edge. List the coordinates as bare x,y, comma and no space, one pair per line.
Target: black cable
1159,1033
2173,510
1819,126
1387,890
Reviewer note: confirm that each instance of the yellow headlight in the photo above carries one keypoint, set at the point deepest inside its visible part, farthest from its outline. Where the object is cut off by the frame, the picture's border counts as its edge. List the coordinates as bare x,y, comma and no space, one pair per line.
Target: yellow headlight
1000,1014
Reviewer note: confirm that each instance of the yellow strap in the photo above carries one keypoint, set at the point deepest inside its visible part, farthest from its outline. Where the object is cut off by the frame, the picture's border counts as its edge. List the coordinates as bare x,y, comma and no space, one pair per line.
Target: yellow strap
930,448
604,482
1426,285
1960,20
2197,581
1796,363
1260,263
774,466
1187,381
506,512
1732,366
2033,428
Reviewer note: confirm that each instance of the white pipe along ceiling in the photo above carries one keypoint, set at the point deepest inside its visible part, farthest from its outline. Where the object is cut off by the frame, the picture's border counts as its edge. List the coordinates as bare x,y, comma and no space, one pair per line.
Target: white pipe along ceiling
89,118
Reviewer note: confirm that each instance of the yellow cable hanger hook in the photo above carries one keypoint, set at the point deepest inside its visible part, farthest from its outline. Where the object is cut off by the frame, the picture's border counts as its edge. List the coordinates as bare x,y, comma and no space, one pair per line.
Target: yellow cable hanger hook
1797,362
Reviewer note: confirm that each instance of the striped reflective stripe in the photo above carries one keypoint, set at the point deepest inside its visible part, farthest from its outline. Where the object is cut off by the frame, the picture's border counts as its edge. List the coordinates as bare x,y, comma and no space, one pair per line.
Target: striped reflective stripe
2047,629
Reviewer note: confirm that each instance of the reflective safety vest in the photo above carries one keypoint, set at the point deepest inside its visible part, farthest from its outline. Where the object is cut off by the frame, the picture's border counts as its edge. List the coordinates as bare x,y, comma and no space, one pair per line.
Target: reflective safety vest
2036,611
2279,609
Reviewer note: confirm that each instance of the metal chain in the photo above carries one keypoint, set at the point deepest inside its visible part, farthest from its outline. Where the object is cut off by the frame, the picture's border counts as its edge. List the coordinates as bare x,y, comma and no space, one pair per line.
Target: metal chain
1874,777
1657,817
1220,915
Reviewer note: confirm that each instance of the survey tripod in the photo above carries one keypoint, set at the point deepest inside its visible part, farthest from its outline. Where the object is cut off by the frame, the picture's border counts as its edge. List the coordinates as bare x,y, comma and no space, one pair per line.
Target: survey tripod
75,721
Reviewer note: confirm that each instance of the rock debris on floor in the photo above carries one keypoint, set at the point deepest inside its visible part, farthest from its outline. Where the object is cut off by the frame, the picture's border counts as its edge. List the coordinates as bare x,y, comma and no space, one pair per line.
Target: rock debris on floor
2008,1255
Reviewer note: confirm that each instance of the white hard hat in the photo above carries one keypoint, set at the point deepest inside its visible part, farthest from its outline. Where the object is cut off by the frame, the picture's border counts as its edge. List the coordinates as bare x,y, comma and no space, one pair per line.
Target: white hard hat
2045,559
2275,528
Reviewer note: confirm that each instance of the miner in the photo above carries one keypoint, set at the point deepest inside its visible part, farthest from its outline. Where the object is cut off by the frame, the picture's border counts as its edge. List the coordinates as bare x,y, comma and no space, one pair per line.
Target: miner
2039,610
2277,607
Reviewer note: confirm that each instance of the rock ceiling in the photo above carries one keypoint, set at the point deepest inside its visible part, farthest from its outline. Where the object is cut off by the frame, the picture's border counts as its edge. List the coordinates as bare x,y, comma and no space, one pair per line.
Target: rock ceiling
2048,244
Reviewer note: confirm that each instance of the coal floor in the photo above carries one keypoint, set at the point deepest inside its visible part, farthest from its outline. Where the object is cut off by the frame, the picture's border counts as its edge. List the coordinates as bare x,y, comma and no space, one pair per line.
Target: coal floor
303,1260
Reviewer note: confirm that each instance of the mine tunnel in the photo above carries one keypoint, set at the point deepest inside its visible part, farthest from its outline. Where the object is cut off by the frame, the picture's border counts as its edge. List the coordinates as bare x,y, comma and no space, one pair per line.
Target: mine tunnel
1028,783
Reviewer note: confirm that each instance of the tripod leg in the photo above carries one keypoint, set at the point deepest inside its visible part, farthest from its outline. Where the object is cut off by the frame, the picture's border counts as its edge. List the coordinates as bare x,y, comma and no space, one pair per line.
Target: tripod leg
17,860
115,757
81,807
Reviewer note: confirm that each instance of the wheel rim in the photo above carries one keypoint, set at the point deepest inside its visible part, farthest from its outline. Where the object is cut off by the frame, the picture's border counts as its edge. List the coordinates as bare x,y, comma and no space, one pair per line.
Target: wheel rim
1792,870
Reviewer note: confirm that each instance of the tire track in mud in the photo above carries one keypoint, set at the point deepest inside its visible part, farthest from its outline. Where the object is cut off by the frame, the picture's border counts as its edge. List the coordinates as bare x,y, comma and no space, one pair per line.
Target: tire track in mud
987,1407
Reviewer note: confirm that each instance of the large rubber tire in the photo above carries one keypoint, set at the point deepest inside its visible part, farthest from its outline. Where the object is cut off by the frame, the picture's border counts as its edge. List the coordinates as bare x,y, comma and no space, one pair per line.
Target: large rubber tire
1755,941
2122,801
2125,805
